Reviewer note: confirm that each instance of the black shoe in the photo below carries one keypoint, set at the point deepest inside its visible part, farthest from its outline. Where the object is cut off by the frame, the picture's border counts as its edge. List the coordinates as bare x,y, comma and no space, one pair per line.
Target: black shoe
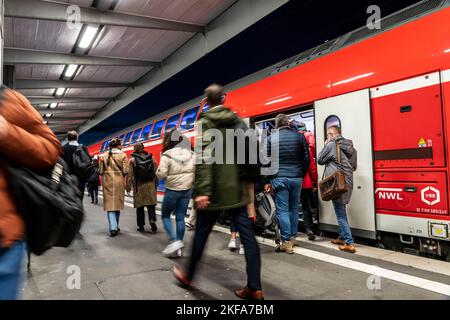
118,230
311,236
113,233
92,201
154,227
141,229
96,201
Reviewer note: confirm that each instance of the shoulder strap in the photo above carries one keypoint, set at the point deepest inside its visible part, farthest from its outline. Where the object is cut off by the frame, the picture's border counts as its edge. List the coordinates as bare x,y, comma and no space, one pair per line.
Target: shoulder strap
338,146
115,161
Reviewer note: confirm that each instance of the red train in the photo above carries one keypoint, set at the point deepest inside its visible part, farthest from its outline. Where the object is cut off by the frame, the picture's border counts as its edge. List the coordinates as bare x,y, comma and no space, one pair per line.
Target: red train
389,90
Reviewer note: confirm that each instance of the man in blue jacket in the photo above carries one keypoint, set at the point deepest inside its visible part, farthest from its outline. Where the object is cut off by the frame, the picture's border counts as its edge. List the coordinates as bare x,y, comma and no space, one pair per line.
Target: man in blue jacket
293,163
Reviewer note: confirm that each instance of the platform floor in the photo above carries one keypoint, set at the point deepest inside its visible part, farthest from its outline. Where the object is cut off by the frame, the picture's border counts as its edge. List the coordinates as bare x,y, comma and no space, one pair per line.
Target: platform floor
130,266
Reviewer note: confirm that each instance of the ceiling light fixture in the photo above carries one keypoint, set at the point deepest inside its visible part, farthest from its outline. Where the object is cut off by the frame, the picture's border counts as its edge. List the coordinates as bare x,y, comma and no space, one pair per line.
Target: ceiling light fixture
60,91
53,105
88,37
70,71
48,115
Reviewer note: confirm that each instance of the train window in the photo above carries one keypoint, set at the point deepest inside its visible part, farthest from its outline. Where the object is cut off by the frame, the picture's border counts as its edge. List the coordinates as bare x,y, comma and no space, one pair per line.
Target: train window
157,128
103,146
205,107
136,135
121,137
172,122
146,133
331,121
189,117
126,141
107,145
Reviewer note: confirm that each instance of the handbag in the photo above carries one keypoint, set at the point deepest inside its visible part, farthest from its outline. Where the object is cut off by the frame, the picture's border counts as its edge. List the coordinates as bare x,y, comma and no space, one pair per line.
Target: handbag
334,185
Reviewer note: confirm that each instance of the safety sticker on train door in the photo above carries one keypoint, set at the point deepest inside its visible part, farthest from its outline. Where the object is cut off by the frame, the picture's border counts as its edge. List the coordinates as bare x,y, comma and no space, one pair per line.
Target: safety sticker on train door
422,143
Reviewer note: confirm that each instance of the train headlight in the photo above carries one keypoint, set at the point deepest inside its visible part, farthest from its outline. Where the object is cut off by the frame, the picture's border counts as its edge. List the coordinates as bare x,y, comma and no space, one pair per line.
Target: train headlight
439,230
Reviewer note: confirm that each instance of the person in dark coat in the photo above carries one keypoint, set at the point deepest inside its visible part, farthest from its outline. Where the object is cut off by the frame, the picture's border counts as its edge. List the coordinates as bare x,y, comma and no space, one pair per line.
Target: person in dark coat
293,164
68,152
93,182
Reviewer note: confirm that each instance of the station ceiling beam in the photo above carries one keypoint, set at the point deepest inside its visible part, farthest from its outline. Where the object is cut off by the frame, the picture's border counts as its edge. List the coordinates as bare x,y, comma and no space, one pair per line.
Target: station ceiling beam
31,56
66,111
53,11
50,84
49,100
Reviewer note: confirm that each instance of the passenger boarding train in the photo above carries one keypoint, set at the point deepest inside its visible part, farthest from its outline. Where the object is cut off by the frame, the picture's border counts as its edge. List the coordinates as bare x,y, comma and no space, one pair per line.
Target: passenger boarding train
389,91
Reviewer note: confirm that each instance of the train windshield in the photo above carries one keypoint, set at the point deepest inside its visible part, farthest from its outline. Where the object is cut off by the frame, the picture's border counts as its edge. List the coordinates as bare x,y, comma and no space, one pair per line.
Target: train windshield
156,133
145,133
172,122
189,117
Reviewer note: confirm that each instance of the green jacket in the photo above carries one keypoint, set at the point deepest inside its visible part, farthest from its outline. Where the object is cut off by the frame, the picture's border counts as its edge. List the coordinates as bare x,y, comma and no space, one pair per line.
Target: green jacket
220,181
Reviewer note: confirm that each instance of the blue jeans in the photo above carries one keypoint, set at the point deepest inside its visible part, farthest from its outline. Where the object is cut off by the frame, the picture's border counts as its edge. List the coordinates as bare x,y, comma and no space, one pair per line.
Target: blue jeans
344,228
244,225
287,198
177,202
11,270
113,220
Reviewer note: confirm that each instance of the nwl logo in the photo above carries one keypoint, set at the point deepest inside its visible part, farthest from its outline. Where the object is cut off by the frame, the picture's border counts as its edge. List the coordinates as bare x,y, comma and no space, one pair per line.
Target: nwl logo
389,193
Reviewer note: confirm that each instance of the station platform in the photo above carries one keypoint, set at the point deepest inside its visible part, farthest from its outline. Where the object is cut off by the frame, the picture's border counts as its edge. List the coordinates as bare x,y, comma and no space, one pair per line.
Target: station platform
131,266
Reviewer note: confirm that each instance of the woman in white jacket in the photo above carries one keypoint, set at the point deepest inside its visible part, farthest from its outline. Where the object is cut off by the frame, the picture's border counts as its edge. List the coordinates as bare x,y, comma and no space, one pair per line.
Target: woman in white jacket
177,167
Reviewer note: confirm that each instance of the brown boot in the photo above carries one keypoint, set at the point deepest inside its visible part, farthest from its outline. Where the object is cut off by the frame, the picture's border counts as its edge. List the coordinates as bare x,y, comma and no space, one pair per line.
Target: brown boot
286,246
338,241
294,242
348,248
181,276
248,294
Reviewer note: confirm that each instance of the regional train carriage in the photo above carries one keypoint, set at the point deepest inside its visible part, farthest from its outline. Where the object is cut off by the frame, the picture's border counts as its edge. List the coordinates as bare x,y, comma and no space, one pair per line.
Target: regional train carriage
389,91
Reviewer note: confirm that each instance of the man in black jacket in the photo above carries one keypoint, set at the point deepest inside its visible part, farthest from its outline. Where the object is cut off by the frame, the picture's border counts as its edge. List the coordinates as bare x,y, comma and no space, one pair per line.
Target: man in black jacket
68,152
293,163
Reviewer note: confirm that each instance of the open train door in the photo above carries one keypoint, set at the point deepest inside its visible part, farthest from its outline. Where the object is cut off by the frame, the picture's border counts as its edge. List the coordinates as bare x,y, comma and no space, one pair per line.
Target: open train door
351,112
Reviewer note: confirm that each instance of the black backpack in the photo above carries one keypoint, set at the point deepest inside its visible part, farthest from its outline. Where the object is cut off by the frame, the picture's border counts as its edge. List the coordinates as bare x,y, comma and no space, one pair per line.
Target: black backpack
82,163
49,203
144,169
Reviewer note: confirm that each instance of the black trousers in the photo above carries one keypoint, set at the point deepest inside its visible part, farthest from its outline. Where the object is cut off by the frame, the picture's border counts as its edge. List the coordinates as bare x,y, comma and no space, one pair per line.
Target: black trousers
93,191
307,208
205,223
140,215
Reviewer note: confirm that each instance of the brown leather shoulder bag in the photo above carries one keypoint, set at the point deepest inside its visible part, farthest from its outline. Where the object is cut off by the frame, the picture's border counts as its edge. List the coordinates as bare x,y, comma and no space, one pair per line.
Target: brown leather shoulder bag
334,185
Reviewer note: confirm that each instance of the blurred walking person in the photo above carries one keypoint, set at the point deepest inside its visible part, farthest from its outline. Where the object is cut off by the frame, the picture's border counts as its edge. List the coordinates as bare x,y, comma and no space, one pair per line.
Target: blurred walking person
339,154
177,167
222,186
113,169
94,181
142,179
26,140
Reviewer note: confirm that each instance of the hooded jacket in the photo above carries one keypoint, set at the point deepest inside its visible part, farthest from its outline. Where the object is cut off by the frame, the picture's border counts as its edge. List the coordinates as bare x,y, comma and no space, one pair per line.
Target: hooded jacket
177,167
215,178
329,158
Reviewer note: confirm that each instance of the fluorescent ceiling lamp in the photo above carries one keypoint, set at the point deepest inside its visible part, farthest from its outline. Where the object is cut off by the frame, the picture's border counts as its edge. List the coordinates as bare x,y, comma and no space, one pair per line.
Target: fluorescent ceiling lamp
45,122
53,105
60,91
70,71
88,37
48,115
44,105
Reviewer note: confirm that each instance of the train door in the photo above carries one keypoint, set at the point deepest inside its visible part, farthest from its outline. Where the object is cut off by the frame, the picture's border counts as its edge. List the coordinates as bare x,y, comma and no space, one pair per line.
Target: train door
351,112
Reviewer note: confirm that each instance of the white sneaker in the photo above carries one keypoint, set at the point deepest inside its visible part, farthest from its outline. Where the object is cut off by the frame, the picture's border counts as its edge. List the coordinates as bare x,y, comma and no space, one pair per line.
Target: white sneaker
179,253
172,248
241,249
232,245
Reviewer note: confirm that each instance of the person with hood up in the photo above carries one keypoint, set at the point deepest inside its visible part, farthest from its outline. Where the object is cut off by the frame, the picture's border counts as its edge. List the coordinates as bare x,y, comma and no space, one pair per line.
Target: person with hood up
177,167
329,158
142,179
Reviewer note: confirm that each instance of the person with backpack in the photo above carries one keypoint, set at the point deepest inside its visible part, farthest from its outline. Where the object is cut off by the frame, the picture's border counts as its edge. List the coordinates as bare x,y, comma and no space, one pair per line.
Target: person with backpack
28,143
219,187
142,179
94,181
339,154
78,159
177,167
113,169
